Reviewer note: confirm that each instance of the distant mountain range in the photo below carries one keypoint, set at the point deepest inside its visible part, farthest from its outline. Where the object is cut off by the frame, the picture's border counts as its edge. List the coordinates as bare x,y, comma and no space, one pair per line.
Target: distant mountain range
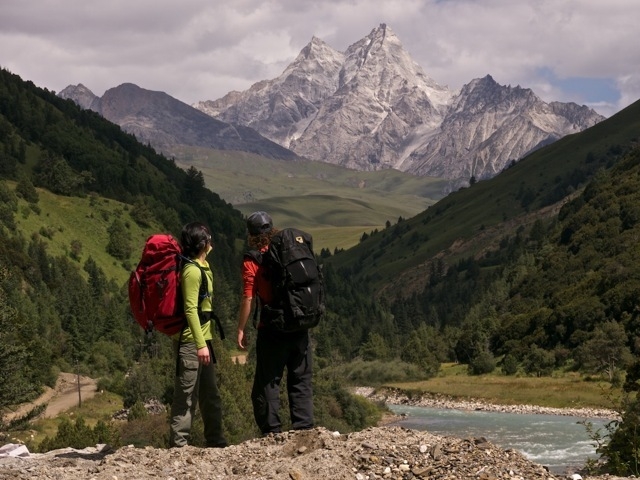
369,108
166,123
373,107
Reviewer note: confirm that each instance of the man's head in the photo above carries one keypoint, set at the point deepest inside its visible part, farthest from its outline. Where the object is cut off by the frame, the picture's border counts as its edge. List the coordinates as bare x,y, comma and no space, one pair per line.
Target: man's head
259,223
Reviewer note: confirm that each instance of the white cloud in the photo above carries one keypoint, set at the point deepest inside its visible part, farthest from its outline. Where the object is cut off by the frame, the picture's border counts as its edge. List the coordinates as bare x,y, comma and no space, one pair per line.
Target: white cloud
629,86
198,49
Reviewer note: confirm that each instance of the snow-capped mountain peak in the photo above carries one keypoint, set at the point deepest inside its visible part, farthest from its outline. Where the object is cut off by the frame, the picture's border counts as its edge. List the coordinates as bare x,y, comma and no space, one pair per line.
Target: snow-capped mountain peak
374,107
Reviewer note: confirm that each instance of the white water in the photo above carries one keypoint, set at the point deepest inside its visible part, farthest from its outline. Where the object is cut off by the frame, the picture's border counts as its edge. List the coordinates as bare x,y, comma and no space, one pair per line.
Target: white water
554,441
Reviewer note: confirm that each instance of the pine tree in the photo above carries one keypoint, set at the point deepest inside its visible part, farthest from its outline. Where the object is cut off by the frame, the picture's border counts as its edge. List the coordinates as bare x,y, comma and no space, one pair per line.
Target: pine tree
13,356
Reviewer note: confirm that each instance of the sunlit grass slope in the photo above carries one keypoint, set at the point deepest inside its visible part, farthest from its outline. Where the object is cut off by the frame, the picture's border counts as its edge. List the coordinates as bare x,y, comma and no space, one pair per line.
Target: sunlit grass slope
335,204
61,220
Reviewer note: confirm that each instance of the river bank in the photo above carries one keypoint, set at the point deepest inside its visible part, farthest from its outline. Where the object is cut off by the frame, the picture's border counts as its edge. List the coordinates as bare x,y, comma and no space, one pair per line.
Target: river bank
394,396
397,397
389,452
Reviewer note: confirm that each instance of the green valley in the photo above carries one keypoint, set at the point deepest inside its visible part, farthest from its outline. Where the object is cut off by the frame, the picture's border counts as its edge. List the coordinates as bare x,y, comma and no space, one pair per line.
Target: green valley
334,204
534,274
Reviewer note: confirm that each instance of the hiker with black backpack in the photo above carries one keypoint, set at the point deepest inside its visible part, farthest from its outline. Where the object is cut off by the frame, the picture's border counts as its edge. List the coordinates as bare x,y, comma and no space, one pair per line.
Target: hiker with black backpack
195,380
270,284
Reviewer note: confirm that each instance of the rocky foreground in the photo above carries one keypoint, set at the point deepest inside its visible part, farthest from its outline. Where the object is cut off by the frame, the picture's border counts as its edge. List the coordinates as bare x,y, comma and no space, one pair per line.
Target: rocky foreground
385,452
389,452
382,452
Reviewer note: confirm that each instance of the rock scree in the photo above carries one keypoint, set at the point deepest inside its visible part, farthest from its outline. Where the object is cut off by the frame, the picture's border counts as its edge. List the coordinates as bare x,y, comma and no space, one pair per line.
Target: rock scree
388,452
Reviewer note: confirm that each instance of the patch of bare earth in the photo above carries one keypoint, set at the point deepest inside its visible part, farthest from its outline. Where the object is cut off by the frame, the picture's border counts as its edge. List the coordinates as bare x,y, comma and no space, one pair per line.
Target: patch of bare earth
68,392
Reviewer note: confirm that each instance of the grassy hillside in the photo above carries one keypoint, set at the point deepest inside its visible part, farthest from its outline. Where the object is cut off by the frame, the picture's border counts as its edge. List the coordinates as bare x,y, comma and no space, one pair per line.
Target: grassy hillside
480,215
335,204
60,220
69,184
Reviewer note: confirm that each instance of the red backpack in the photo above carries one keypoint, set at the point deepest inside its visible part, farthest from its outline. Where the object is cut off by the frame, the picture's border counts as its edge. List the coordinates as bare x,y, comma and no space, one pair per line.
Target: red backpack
154,286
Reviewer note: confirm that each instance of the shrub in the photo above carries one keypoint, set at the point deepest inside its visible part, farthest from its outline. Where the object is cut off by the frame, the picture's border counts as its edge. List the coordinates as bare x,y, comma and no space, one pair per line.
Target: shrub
26,190
80,435
378,372
335,408
152,430
114,383
482,363
539,362
509,365
137,411
622,453
150,378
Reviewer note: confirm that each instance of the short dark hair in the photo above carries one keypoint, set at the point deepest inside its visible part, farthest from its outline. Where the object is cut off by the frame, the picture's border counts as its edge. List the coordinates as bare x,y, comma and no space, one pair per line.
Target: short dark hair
194,239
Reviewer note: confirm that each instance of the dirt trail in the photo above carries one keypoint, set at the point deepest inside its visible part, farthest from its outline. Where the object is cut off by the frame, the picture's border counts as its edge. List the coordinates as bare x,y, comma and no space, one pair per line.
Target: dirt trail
59,399
240,358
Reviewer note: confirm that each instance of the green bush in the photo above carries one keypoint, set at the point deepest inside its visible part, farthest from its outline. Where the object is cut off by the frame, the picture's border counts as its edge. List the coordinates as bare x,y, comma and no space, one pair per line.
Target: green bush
378,372
509,365
79,435
482,363
335,408
113,383
150,379
26,190
152,431
137,411
622,452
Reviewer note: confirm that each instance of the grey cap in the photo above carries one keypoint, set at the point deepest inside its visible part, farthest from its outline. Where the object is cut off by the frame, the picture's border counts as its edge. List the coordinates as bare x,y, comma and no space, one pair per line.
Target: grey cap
259,222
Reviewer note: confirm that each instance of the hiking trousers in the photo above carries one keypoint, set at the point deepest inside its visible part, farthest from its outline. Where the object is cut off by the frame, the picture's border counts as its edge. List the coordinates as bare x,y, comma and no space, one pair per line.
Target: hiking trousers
195,384
276,351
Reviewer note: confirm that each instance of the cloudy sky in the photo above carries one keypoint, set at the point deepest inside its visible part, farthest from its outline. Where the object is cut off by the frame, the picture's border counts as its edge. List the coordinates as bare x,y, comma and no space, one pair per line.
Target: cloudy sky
583,51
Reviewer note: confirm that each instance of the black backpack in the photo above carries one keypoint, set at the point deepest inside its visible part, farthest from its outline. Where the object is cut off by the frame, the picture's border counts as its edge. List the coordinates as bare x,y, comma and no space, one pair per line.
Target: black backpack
296,280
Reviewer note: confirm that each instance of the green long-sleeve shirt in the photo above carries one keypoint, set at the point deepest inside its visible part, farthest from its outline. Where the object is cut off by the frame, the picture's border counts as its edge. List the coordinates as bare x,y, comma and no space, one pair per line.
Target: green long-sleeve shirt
190,285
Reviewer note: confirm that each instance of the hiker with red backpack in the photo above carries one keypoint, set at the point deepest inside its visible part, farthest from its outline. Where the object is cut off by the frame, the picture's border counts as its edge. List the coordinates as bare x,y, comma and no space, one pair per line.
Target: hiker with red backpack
288,296
195,380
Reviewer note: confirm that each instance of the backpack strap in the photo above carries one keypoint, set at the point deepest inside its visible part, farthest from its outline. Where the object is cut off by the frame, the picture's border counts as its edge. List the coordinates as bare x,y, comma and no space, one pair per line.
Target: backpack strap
204,282
202,294
257,257
254,255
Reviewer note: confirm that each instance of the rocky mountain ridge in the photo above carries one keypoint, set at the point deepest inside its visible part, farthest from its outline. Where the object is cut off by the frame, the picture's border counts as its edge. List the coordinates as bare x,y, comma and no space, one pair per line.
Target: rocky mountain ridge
166,123
373,107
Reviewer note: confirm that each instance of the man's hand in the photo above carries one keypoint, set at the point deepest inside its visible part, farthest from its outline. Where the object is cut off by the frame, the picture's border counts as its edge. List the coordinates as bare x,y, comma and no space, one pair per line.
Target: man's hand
243,315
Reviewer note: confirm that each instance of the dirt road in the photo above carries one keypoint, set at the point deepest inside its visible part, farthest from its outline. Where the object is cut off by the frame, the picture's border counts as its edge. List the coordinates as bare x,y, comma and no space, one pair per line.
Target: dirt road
59,399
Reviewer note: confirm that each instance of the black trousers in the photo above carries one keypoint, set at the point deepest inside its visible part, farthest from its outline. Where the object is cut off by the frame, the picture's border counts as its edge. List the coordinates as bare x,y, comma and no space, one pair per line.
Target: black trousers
276,351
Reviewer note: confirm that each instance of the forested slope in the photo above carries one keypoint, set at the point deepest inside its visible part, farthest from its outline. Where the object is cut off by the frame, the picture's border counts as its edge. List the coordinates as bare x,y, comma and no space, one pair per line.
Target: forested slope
60,311
533,270
63,310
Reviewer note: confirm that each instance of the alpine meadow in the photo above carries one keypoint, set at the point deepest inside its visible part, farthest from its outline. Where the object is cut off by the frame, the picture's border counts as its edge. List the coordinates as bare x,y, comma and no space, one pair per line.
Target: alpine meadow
533,273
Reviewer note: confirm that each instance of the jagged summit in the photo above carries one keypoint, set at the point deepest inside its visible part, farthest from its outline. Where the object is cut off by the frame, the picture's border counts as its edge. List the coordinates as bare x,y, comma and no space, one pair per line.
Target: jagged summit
81,95
374,107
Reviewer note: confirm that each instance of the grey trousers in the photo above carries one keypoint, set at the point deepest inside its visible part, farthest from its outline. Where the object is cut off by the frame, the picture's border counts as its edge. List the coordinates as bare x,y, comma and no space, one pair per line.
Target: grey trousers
195,384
